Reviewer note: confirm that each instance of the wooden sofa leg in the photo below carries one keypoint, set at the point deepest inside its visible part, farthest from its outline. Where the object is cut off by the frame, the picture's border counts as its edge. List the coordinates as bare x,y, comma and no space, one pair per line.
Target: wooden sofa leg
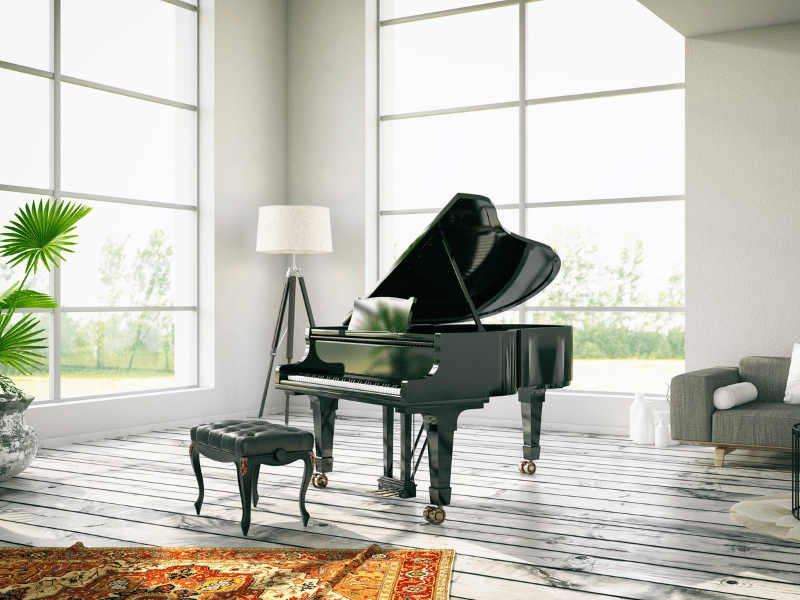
719,454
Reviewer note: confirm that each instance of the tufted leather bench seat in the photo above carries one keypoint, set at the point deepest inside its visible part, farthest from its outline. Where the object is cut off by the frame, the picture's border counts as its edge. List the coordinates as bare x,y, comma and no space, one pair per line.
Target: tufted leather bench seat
249,444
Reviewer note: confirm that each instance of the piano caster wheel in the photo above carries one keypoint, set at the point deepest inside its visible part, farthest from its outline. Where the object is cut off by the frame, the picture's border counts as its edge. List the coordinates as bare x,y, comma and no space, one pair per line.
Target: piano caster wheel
434,514
527,466
319,480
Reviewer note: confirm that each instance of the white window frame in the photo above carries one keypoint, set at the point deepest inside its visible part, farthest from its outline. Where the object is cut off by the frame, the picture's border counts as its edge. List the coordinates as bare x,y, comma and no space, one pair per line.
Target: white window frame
522,103
57,193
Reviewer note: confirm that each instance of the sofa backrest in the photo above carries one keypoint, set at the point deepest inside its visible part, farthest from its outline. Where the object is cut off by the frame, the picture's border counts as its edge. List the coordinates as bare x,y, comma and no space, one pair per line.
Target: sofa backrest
768,373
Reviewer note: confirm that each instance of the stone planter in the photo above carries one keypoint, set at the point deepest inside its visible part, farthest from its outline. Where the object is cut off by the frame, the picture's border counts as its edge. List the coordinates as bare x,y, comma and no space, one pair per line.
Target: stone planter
18,441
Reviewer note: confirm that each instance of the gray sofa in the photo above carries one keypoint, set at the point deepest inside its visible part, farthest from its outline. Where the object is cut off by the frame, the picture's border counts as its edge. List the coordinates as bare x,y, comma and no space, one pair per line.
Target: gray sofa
764,423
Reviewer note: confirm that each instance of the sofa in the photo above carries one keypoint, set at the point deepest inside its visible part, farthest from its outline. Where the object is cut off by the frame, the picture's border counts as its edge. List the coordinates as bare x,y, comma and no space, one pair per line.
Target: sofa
764,423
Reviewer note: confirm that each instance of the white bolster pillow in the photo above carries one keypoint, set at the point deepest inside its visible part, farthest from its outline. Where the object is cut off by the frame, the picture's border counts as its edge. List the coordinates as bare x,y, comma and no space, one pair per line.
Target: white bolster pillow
734,395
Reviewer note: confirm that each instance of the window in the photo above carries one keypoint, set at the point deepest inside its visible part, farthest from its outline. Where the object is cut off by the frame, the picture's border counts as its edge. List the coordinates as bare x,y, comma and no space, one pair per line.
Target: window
568,115
98,105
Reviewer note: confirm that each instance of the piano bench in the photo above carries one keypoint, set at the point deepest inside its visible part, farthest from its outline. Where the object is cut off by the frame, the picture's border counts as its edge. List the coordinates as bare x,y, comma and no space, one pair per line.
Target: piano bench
249,444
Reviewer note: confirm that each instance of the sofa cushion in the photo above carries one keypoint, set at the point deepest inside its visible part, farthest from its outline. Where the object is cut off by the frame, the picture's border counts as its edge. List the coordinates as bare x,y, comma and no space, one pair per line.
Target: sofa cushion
756,424
768,374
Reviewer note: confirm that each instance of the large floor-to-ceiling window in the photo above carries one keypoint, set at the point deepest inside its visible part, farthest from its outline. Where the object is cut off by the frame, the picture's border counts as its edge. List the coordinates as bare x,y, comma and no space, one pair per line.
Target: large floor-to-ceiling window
569,116
98,105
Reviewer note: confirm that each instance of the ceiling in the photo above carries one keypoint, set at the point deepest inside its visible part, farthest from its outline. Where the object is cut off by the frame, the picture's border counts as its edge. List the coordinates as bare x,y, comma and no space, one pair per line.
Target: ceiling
700,17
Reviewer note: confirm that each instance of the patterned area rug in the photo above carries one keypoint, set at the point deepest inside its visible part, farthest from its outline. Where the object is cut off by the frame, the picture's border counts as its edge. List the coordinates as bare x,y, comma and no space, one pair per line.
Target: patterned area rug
80,573
770,515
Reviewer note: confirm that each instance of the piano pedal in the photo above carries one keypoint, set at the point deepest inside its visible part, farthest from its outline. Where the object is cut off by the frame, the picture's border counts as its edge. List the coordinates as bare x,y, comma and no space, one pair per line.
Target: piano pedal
387,493
434,514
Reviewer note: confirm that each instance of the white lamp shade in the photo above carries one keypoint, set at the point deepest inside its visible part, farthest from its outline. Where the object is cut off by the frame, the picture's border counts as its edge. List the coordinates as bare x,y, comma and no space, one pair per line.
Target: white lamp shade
285,229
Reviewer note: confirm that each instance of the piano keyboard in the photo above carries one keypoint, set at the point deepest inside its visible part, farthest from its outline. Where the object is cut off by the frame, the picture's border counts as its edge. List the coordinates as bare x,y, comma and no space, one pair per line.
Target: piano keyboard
349,383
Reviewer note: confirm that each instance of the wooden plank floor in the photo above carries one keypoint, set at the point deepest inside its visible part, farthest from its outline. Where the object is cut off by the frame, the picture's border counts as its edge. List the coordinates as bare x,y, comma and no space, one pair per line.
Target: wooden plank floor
601,518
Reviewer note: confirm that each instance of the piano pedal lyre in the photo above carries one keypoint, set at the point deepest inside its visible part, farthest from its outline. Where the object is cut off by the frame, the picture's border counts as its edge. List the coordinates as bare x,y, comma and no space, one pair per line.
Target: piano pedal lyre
319,480
387,493
527,466
434,514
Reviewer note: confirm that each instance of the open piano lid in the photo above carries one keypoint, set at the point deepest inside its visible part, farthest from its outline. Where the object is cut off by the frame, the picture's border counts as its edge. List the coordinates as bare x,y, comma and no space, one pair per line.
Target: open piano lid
499,269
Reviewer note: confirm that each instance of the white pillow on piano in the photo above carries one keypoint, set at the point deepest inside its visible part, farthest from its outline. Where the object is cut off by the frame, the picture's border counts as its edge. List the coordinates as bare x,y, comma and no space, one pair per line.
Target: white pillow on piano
381,314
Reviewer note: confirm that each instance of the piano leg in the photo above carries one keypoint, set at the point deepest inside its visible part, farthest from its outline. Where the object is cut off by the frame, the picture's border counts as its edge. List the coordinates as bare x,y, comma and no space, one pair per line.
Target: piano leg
388,441
440,460
324,410
531,401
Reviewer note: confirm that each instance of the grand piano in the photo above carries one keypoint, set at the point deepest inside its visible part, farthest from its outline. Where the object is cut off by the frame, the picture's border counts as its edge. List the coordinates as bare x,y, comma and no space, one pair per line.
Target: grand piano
443,360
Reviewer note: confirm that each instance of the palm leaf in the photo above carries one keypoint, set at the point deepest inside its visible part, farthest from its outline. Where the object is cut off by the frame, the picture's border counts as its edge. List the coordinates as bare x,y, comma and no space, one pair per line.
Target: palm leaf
40,235
26,299
20,344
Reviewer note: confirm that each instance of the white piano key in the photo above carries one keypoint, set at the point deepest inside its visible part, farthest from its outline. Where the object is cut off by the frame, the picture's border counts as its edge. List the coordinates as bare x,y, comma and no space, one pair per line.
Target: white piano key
383,388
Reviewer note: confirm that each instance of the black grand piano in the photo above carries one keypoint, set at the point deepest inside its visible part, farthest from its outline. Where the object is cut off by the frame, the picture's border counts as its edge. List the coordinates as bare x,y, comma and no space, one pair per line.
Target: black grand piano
443,360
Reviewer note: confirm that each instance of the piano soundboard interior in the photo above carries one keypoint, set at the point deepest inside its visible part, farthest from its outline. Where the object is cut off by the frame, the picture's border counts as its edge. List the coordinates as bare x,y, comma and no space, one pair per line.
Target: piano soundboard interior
601,518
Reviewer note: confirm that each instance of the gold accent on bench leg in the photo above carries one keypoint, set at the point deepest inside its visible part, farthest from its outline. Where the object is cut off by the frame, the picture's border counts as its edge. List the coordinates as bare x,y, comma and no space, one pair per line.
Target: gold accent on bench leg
719,454
313,462
243,466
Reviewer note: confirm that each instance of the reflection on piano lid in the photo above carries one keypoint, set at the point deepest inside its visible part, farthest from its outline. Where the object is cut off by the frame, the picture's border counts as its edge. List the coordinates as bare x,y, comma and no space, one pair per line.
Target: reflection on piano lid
464,259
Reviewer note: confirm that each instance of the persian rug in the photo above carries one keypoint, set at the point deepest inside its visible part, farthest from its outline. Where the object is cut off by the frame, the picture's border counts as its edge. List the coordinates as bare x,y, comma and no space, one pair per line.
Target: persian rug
80,573
768,515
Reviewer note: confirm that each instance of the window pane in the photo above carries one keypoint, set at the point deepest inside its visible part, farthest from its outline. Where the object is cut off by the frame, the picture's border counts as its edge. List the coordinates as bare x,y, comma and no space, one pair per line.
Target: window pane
107,353
613,255
509,317
625,146
395,9
399,231
10,203
147,46
622,351
37,382
463,60
119,146
426,161
131,256
25,33
25,129
579,46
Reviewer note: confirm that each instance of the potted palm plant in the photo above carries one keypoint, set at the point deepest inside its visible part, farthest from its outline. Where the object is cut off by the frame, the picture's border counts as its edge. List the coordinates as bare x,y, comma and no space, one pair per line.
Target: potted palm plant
37,236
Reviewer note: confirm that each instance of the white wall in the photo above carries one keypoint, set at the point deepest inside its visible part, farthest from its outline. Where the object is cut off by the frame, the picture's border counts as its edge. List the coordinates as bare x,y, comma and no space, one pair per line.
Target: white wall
242,167
742,195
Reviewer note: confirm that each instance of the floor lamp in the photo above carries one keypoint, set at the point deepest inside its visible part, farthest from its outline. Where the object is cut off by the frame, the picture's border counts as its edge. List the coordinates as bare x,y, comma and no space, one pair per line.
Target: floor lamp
284,229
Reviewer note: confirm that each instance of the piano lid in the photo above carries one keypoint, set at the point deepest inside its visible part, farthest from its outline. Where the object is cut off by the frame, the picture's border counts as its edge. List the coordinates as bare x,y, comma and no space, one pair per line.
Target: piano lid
499,269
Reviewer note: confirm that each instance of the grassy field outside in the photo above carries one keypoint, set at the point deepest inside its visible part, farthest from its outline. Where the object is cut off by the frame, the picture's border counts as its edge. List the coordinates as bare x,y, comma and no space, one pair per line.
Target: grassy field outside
82,383
598,375
625,375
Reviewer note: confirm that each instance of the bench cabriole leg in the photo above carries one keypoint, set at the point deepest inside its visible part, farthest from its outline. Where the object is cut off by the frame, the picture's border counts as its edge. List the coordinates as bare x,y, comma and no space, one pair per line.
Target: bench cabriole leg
309,470
256,468
195,456
245,476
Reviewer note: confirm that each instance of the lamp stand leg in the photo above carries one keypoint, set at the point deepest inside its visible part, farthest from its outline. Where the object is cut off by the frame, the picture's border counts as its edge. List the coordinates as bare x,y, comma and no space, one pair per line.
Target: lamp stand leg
287,300
290,338
275,340
305,299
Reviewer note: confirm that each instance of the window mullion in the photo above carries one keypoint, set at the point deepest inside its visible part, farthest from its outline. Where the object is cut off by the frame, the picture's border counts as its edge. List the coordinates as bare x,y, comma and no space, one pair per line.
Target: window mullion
55,274
523,138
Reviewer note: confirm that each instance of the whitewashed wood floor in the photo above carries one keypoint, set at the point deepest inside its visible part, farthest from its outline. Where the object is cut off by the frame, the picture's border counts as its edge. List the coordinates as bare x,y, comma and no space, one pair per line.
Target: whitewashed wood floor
601,518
